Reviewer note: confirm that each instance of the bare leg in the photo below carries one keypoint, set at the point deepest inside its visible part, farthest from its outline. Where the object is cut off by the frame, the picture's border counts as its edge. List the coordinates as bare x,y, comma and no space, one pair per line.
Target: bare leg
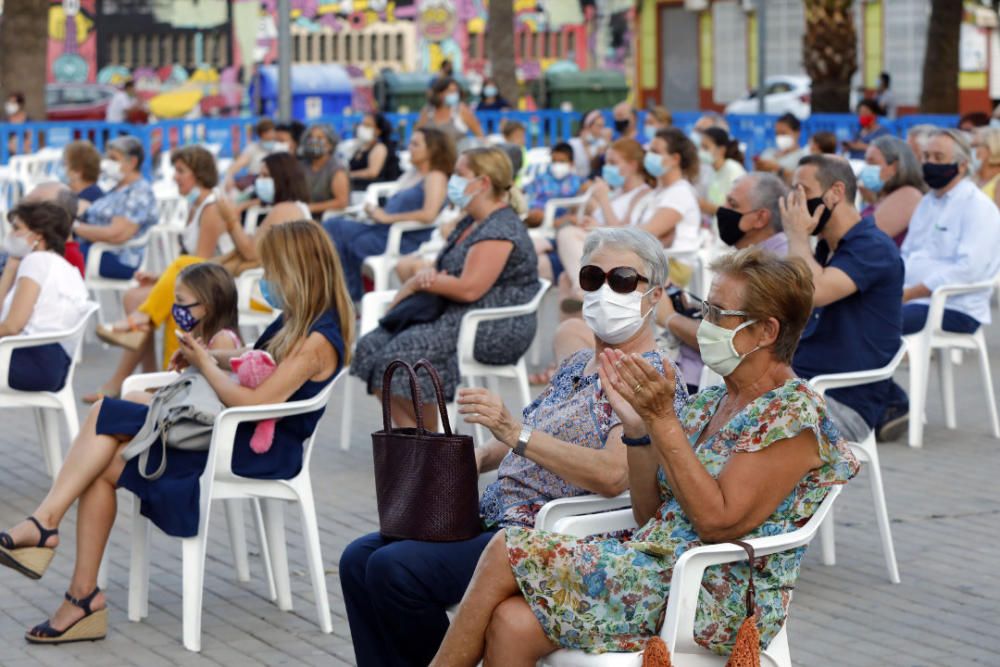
514,637
404,416
411,265
571,336
492,584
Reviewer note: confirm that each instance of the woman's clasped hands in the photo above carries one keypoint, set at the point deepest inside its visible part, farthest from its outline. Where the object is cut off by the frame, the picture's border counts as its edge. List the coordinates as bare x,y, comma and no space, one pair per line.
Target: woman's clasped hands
639,394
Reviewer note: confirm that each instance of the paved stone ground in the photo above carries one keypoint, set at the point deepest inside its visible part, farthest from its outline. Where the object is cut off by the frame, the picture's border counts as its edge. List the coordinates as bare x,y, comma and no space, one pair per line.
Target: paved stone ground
943,501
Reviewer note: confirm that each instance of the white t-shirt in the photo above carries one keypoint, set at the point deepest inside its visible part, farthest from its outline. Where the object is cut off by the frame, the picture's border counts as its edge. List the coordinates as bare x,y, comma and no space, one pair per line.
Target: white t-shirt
189,237
119,104
681,197
620,203
63,297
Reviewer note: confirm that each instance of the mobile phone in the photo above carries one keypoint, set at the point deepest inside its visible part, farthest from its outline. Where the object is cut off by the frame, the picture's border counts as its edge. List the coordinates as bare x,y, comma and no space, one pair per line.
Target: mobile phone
180,336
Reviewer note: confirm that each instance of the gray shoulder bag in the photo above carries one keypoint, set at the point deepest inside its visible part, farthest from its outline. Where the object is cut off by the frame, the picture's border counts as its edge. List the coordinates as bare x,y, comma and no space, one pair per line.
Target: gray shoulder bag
181,416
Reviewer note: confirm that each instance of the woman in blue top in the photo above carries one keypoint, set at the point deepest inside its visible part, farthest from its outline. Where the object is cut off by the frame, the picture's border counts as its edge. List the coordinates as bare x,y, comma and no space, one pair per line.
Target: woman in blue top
125,212
310,343
420,197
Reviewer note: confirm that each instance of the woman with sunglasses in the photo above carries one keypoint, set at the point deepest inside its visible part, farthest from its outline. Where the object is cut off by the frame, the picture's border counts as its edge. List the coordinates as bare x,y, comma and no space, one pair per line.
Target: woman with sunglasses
566,443
750,458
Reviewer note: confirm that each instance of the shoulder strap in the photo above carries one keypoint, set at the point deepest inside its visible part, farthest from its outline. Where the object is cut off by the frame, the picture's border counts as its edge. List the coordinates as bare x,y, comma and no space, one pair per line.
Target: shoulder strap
751,595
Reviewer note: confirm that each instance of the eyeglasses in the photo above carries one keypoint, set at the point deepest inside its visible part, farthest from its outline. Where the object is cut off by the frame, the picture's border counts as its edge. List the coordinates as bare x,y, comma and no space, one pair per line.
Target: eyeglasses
712,313
621,279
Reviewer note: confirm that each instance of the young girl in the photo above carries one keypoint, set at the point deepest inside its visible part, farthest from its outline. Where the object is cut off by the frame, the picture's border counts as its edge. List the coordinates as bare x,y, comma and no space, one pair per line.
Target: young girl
205,305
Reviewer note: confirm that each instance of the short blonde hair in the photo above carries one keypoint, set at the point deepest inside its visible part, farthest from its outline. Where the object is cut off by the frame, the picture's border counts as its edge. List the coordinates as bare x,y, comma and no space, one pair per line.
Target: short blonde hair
494,163
776,287
990,137
662,115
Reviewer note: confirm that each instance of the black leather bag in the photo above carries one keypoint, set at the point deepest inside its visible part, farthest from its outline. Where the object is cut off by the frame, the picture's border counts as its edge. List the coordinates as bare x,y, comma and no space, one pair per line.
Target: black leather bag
426,484
419,308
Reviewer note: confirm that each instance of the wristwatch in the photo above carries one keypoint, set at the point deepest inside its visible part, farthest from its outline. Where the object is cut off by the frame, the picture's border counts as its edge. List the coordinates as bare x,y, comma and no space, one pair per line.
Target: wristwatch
522,440
636,442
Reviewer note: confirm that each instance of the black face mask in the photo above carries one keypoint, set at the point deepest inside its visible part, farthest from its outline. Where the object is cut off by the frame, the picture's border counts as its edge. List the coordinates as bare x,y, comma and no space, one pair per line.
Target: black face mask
812,205
729,225
621,126
938,176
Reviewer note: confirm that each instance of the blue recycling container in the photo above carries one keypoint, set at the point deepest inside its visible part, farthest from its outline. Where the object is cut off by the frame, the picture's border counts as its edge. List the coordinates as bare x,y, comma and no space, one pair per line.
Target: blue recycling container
317,90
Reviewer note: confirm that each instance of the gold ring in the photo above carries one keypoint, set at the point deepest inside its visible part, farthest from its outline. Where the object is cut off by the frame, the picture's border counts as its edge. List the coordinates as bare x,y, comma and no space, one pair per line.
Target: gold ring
637,388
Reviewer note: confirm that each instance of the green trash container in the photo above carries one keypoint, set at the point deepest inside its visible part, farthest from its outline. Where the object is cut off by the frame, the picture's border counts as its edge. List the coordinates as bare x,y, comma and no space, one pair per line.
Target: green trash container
404,92
585,90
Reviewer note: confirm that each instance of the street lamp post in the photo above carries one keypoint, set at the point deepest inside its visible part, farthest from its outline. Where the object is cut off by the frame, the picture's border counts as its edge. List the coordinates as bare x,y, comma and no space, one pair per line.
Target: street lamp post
284,61
761,69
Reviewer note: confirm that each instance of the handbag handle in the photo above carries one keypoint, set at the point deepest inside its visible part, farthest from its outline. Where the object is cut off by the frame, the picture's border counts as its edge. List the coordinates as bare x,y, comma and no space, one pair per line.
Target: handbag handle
751,591
436,379
386,393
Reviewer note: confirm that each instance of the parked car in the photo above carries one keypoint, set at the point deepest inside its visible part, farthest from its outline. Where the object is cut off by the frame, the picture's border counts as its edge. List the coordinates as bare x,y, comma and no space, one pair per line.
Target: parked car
782,94
77,101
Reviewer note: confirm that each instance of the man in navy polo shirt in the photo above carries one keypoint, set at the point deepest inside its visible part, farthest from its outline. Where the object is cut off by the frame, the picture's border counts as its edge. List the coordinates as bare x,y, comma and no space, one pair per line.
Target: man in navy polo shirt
858,278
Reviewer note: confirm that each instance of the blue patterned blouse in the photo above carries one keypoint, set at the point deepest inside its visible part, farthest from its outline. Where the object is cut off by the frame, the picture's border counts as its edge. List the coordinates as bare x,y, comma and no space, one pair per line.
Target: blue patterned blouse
136,202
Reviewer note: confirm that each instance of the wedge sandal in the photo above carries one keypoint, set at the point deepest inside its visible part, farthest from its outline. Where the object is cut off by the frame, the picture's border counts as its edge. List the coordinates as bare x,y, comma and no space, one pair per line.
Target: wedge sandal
92,627
29,561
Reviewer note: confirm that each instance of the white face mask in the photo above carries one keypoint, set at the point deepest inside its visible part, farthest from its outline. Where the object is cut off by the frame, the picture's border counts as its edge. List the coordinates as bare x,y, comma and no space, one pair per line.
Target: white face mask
365,134
11,108
559,170
784,141
716,346
614,317
111,169
17,246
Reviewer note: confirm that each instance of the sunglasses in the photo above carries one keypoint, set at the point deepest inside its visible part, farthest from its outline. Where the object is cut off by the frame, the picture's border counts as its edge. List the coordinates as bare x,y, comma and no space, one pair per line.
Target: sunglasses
714,314
621,279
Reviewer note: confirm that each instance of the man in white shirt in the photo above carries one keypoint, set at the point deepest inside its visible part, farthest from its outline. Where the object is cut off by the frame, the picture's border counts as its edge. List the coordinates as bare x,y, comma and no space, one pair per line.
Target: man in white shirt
952,239
121,103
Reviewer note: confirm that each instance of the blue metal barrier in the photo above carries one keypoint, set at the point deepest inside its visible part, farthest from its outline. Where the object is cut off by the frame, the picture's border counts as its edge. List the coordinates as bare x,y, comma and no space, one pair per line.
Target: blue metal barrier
544,127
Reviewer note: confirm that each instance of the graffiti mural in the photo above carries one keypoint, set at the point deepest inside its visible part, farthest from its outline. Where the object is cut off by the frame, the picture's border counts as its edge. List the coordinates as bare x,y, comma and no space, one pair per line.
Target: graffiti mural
72,51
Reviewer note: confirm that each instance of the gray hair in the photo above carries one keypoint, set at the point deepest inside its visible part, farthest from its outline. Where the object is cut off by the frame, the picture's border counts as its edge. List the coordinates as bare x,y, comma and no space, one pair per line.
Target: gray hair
963,152
635,240
128,146
765,192
328,132
920,133
908,170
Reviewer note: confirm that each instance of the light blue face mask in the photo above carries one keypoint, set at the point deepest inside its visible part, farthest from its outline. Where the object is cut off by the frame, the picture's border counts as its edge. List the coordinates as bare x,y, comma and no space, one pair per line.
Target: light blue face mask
264,187
271,294
650,131
612,175
870,178
268,146
193,195
490,91
456,191
975,164
653,163
452,99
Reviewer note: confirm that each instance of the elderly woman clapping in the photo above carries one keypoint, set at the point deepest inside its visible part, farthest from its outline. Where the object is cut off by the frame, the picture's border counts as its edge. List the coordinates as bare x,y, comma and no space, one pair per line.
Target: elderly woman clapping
749,458
566,443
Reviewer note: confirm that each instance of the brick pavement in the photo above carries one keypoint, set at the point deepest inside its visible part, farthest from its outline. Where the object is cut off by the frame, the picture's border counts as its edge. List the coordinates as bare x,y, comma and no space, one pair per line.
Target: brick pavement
943,501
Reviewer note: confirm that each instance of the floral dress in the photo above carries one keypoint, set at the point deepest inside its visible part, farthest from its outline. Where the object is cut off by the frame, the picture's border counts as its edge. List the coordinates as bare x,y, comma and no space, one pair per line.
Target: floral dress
600,594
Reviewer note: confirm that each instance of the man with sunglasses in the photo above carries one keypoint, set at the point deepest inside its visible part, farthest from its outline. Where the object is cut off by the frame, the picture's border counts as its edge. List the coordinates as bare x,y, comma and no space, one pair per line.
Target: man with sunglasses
858,286
750,218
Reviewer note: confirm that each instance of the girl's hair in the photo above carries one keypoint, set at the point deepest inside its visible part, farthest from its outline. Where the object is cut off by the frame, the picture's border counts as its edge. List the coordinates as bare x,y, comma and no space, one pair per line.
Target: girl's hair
721,138
493,163
440,150
289,178
299,259
215,289
48,219
678,143
200,162
632,150
437,91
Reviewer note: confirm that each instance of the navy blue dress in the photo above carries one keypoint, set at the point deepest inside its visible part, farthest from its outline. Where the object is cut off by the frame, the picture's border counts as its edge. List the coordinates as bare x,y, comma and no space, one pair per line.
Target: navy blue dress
172,501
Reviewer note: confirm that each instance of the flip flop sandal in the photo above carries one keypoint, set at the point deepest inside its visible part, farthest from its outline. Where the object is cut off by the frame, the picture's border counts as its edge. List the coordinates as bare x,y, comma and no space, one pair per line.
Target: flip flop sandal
130,340
93,625
29,561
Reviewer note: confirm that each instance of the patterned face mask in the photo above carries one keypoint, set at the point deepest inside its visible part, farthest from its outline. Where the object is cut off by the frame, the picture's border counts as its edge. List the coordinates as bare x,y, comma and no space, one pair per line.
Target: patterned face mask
182,315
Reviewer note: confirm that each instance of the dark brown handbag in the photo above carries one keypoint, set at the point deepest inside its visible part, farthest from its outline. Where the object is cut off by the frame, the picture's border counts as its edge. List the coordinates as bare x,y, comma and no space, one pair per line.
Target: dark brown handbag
426,483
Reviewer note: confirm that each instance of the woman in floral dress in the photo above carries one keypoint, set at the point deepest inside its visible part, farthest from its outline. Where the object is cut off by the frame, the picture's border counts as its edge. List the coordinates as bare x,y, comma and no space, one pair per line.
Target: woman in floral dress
751,458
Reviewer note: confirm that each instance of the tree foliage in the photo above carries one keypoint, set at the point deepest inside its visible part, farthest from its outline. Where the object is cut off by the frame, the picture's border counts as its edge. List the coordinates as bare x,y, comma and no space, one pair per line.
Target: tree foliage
939,93
24,51
500,47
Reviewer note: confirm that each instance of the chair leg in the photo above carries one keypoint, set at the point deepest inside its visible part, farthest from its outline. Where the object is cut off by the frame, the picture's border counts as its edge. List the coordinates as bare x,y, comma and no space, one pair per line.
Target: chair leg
310,533
43,439
68,401
870,450
274,522
53,440
193,551
238,538
346,408
265,553
947,376
984,369
138,571
919,355
827,540
522,382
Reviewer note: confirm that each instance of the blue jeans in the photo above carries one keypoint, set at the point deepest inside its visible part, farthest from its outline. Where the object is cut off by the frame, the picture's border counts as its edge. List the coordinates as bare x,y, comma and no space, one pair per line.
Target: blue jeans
914,319
397,593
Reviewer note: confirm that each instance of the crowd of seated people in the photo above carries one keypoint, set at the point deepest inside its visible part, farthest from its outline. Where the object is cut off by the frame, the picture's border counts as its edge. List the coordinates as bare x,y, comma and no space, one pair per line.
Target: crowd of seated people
822,257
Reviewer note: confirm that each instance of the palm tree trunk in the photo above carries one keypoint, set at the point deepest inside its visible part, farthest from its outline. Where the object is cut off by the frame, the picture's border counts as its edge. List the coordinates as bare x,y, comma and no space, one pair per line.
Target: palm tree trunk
939,93
23,52
500,48
830,53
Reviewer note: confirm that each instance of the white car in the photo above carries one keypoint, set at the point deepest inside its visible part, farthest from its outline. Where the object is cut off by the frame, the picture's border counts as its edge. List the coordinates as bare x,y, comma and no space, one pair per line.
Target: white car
782,94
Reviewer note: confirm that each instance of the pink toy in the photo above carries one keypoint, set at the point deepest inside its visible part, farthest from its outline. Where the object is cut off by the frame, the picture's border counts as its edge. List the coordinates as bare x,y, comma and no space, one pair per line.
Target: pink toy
251,369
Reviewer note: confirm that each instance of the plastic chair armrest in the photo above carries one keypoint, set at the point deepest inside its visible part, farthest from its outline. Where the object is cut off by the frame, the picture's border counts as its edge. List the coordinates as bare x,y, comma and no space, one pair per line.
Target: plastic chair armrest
396,231
144,381
826,382
562,508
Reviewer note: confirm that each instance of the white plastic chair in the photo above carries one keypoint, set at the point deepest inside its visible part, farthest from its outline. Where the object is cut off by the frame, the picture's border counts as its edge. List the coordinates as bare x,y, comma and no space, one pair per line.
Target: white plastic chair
98,284
46,403
685,588
535,162
252,321
932,337
867,452
576,205
219,482
253,218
